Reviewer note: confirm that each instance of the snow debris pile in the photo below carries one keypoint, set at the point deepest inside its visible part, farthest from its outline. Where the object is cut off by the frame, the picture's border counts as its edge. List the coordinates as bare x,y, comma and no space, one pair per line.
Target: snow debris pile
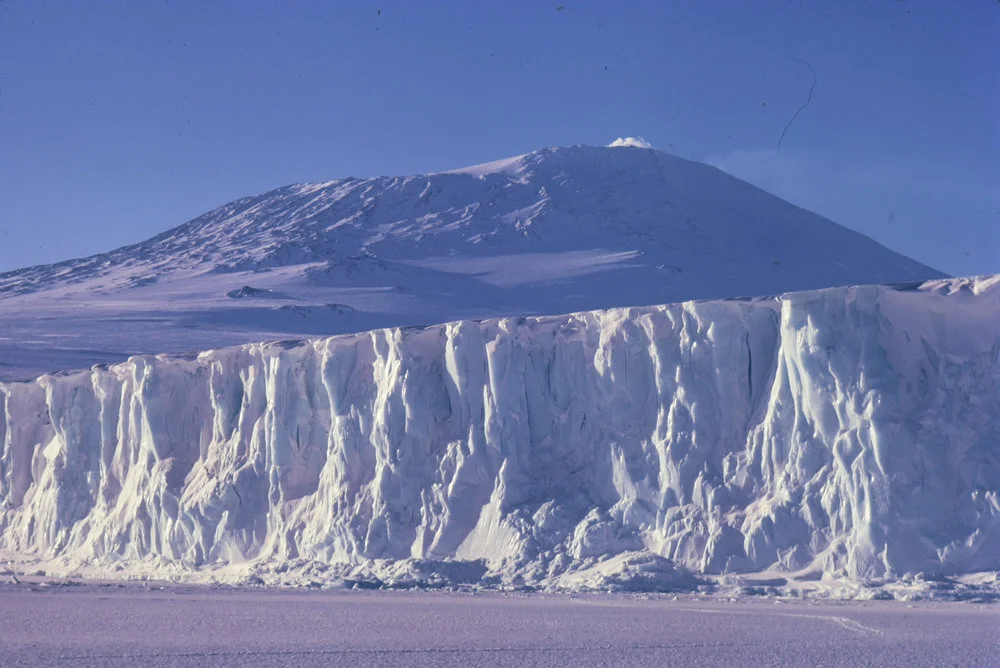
844,433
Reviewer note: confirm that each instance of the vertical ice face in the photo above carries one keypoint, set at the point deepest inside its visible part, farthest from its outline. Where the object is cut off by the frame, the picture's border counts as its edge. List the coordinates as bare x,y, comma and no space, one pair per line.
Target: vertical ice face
855,431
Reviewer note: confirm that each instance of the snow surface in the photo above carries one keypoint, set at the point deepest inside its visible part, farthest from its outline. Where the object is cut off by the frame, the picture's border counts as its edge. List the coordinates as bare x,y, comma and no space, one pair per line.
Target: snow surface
555,231
848,433
92,625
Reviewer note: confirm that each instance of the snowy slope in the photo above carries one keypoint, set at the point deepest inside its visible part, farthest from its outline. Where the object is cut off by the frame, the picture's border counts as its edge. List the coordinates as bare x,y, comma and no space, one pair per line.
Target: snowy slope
843,433
555,231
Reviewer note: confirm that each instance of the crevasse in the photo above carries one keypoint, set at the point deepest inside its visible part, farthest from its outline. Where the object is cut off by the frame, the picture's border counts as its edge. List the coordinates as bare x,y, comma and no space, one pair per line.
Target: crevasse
852,432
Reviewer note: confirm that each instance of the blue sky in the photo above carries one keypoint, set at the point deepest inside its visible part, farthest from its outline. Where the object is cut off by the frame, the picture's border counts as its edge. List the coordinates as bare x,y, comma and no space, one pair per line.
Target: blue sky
119,120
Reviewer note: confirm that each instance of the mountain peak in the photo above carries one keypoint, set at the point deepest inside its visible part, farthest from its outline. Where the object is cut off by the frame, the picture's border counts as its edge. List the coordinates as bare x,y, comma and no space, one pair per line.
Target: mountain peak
519,164
557,230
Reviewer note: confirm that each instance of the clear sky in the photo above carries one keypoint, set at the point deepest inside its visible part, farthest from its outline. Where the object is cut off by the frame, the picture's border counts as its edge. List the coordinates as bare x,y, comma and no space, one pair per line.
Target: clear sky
119,120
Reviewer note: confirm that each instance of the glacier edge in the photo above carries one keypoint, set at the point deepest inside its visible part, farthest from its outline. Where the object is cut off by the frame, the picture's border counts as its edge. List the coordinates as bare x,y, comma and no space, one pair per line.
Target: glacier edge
850,433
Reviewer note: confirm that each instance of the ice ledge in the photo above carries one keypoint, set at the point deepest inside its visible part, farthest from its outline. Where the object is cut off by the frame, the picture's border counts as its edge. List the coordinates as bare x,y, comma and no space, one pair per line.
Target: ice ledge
846,433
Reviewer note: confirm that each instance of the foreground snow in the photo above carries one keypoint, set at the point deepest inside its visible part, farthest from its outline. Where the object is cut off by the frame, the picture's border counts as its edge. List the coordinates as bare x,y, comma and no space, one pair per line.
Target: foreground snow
100,624
848,435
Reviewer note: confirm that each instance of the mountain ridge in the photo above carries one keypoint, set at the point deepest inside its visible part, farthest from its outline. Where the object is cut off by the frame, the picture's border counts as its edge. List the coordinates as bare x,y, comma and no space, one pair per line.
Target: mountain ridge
347,186
558,230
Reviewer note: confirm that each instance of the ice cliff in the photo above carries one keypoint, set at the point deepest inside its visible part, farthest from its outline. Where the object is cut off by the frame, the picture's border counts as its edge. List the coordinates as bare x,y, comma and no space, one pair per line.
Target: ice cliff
850,432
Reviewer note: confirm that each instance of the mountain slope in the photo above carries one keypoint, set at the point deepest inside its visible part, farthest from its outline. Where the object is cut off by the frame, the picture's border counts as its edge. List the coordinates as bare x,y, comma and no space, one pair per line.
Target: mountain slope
558,230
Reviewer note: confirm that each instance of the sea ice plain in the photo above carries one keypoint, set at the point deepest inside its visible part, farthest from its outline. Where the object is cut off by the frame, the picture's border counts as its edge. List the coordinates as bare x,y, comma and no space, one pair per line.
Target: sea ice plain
102,624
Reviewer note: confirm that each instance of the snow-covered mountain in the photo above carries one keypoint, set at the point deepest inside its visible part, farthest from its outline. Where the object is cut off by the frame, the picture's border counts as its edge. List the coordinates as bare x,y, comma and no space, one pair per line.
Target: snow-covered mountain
842,435
555,231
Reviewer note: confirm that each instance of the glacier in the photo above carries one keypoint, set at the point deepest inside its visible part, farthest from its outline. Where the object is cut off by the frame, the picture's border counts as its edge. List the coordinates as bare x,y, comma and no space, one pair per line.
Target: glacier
839,434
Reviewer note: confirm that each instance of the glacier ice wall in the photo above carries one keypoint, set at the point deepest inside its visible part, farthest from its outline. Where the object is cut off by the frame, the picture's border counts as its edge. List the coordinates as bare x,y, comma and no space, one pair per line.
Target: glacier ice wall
854,432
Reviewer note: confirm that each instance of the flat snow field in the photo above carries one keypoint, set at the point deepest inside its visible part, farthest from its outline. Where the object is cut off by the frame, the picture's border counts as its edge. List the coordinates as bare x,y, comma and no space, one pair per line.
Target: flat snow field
110,625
